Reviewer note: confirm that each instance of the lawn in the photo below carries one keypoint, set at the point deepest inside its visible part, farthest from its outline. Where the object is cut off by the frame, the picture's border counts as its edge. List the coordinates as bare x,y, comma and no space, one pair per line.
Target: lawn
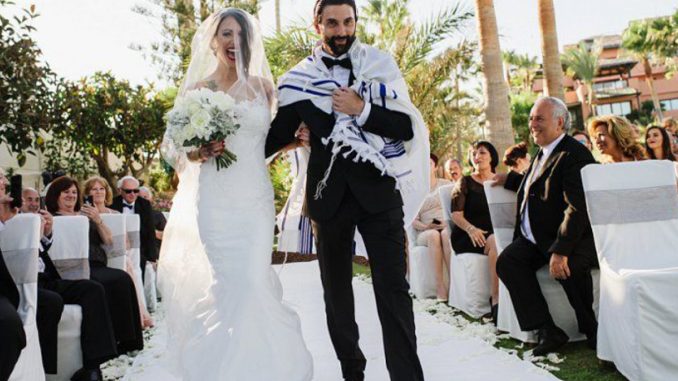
580,363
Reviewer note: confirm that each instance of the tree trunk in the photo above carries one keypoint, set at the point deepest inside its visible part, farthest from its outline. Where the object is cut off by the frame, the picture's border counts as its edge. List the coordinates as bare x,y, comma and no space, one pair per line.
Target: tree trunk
653,93
553,69
591,99
495,91
277,16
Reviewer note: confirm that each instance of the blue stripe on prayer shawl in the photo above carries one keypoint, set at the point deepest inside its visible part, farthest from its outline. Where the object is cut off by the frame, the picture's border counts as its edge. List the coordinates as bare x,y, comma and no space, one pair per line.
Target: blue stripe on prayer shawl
297,88
324,81
302,74
305,236
382,94
395,95
310,58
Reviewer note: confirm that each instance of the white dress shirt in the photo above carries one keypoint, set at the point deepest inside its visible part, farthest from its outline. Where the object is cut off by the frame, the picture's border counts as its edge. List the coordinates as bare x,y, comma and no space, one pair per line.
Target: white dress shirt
525,227
342,75
126,210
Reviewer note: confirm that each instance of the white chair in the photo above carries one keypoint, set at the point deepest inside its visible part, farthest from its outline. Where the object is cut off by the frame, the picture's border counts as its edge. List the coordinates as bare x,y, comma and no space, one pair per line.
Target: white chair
70,254
633,208
20,242
503,209
469,274
116,252
133,226
151,288
422,271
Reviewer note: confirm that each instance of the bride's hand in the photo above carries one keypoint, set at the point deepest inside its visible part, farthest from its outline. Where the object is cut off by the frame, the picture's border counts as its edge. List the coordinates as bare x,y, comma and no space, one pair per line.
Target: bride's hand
207,151
303,135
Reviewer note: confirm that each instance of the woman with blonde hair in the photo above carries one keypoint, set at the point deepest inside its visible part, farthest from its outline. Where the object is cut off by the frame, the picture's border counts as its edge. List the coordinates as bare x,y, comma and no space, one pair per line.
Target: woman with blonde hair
102,195
615,139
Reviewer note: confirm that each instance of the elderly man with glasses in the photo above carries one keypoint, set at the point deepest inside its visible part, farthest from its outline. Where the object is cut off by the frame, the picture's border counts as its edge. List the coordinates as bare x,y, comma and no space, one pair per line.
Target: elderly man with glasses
129,202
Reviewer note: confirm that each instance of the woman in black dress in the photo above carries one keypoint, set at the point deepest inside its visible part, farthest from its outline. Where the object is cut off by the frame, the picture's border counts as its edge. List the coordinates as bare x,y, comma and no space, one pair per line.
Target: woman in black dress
472,231
64,199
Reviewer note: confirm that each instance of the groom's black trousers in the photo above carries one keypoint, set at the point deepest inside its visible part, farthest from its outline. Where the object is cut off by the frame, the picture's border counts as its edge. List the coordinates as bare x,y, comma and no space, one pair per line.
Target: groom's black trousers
384,238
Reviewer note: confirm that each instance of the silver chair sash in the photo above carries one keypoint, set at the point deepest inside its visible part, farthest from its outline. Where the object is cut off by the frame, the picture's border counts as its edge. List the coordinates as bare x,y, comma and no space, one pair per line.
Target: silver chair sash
22,265
626,206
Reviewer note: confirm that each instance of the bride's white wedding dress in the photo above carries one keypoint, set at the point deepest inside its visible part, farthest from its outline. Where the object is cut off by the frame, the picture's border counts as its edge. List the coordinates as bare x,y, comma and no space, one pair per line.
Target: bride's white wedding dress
226,318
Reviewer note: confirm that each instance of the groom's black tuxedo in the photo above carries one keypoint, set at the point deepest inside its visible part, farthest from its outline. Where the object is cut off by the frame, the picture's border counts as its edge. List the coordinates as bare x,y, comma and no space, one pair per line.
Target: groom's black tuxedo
374,192
357,196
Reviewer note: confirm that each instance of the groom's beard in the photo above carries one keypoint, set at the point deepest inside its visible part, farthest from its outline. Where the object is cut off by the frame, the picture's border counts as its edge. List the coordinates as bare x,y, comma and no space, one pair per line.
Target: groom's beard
337,50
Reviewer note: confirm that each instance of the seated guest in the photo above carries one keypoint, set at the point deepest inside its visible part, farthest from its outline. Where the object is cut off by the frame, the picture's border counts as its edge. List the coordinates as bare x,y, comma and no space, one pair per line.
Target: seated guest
516,158
97,340
453,170
671,127
615,139
102,195
159,220
64,199
583,138
472,231
12,335
658,144
552,227
431,232
129,202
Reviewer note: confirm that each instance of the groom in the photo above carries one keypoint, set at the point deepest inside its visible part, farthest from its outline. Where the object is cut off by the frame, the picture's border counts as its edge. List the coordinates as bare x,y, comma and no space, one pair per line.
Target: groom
356,142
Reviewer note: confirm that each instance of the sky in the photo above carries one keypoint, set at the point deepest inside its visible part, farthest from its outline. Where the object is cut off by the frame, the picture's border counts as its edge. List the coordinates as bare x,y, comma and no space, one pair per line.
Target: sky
80,37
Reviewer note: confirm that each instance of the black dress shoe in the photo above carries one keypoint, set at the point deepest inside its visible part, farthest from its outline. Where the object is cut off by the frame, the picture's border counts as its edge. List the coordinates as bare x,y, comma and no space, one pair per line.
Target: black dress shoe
550,339
88,375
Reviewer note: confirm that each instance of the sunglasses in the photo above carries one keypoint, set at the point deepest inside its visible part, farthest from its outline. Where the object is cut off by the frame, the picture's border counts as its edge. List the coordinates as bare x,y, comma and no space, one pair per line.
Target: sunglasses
128,191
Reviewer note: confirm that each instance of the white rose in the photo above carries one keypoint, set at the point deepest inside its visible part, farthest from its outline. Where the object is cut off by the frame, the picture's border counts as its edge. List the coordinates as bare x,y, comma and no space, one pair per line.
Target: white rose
199,122
223,101
193,107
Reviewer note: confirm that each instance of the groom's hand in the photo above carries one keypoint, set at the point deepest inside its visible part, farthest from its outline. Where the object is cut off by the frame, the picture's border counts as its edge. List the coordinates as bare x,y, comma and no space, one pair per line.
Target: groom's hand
347,101
303,135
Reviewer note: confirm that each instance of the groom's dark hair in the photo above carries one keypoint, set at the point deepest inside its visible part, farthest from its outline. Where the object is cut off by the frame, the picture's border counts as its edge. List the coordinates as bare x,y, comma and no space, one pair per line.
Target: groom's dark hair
321,4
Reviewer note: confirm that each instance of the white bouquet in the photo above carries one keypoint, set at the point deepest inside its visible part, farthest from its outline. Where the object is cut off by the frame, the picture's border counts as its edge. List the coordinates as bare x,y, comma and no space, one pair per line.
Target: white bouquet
202,116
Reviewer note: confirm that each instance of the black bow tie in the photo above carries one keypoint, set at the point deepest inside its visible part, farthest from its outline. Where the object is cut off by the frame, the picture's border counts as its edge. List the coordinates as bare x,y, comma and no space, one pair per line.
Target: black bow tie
128,206
344,62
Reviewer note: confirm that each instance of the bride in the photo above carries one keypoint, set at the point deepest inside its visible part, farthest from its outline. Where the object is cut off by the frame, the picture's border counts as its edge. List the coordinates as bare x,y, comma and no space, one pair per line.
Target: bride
226,319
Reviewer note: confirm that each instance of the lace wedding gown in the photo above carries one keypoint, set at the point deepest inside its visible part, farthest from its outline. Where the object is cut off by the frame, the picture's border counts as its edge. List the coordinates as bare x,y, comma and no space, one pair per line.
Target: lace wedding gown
225,315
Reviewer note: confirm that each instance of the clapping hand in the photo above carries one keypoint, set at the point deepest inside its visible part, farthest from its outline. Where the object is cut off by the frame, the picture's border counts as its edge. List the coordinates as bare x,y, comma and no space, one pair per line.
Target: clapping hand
47,222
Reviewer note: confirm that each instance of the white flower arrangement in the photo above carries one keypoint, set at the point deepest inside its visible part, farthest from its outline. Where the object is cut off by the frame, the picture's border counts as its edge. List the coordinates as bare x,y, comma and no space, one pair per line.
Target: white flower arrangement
202,116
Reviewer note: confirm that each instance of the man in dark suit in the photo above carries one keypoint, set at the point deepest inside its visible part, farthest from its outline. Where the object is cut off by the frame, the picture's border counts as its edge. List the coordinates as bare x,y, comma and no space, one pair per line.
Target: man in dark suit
356,196
98,342
552,227
129,202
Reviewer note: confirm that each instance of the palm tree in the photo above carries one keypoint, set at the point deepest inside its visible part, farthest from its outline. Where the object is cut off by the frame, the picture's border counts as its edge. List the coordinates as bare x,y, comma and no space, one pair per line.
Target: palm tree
638,42
495,91
582,64
553,70
510,59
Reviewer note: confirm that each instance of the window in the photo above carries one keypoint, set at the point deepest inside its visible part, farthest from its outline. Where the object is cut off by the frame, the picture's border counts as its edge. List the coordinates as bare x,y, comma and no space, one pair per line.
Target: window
620,108
609,85
669,104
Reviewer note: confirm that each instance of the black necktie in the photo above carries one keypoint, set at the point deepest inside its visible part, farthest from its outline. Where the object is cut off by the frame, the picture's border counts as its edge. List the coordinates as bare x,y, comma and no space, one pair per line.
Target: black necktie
344,62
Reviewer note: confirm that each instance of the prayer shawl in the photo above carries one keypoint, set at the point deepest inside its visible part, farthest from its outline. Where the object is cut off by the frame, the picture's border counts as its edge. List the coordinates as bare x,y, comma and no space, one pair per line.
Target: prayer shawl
378,81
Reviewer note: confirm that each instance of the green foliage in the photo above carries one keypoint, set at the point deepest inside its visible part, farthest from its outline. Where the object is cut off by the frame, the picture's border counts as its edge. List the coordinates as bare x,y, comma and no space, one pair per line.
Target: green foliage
279,171
286,49
105,117
26,103
643,116
521,104
521,69
582,64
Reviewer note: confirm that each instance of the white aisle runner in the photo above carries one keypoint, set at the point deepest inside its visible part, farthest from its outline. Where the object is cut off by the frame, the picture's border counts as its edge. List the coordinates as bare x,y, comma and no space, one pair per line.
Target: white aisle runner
445,355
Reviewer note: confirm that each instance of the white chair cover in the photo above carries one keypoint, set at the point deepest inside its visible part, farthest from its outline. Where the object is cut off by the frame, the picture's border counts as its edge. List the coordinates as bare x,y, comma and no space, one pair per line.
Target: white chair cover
633,209
469,274
150,288
133,227
117,251
503,209
70,254
70,246
20,242
422,277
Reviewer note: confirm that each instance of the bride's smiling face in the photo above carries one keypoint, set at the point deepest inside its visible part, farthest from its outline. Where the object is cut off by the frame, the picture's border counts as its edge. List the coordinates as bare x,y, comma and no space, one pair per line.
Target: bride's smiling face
226,41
